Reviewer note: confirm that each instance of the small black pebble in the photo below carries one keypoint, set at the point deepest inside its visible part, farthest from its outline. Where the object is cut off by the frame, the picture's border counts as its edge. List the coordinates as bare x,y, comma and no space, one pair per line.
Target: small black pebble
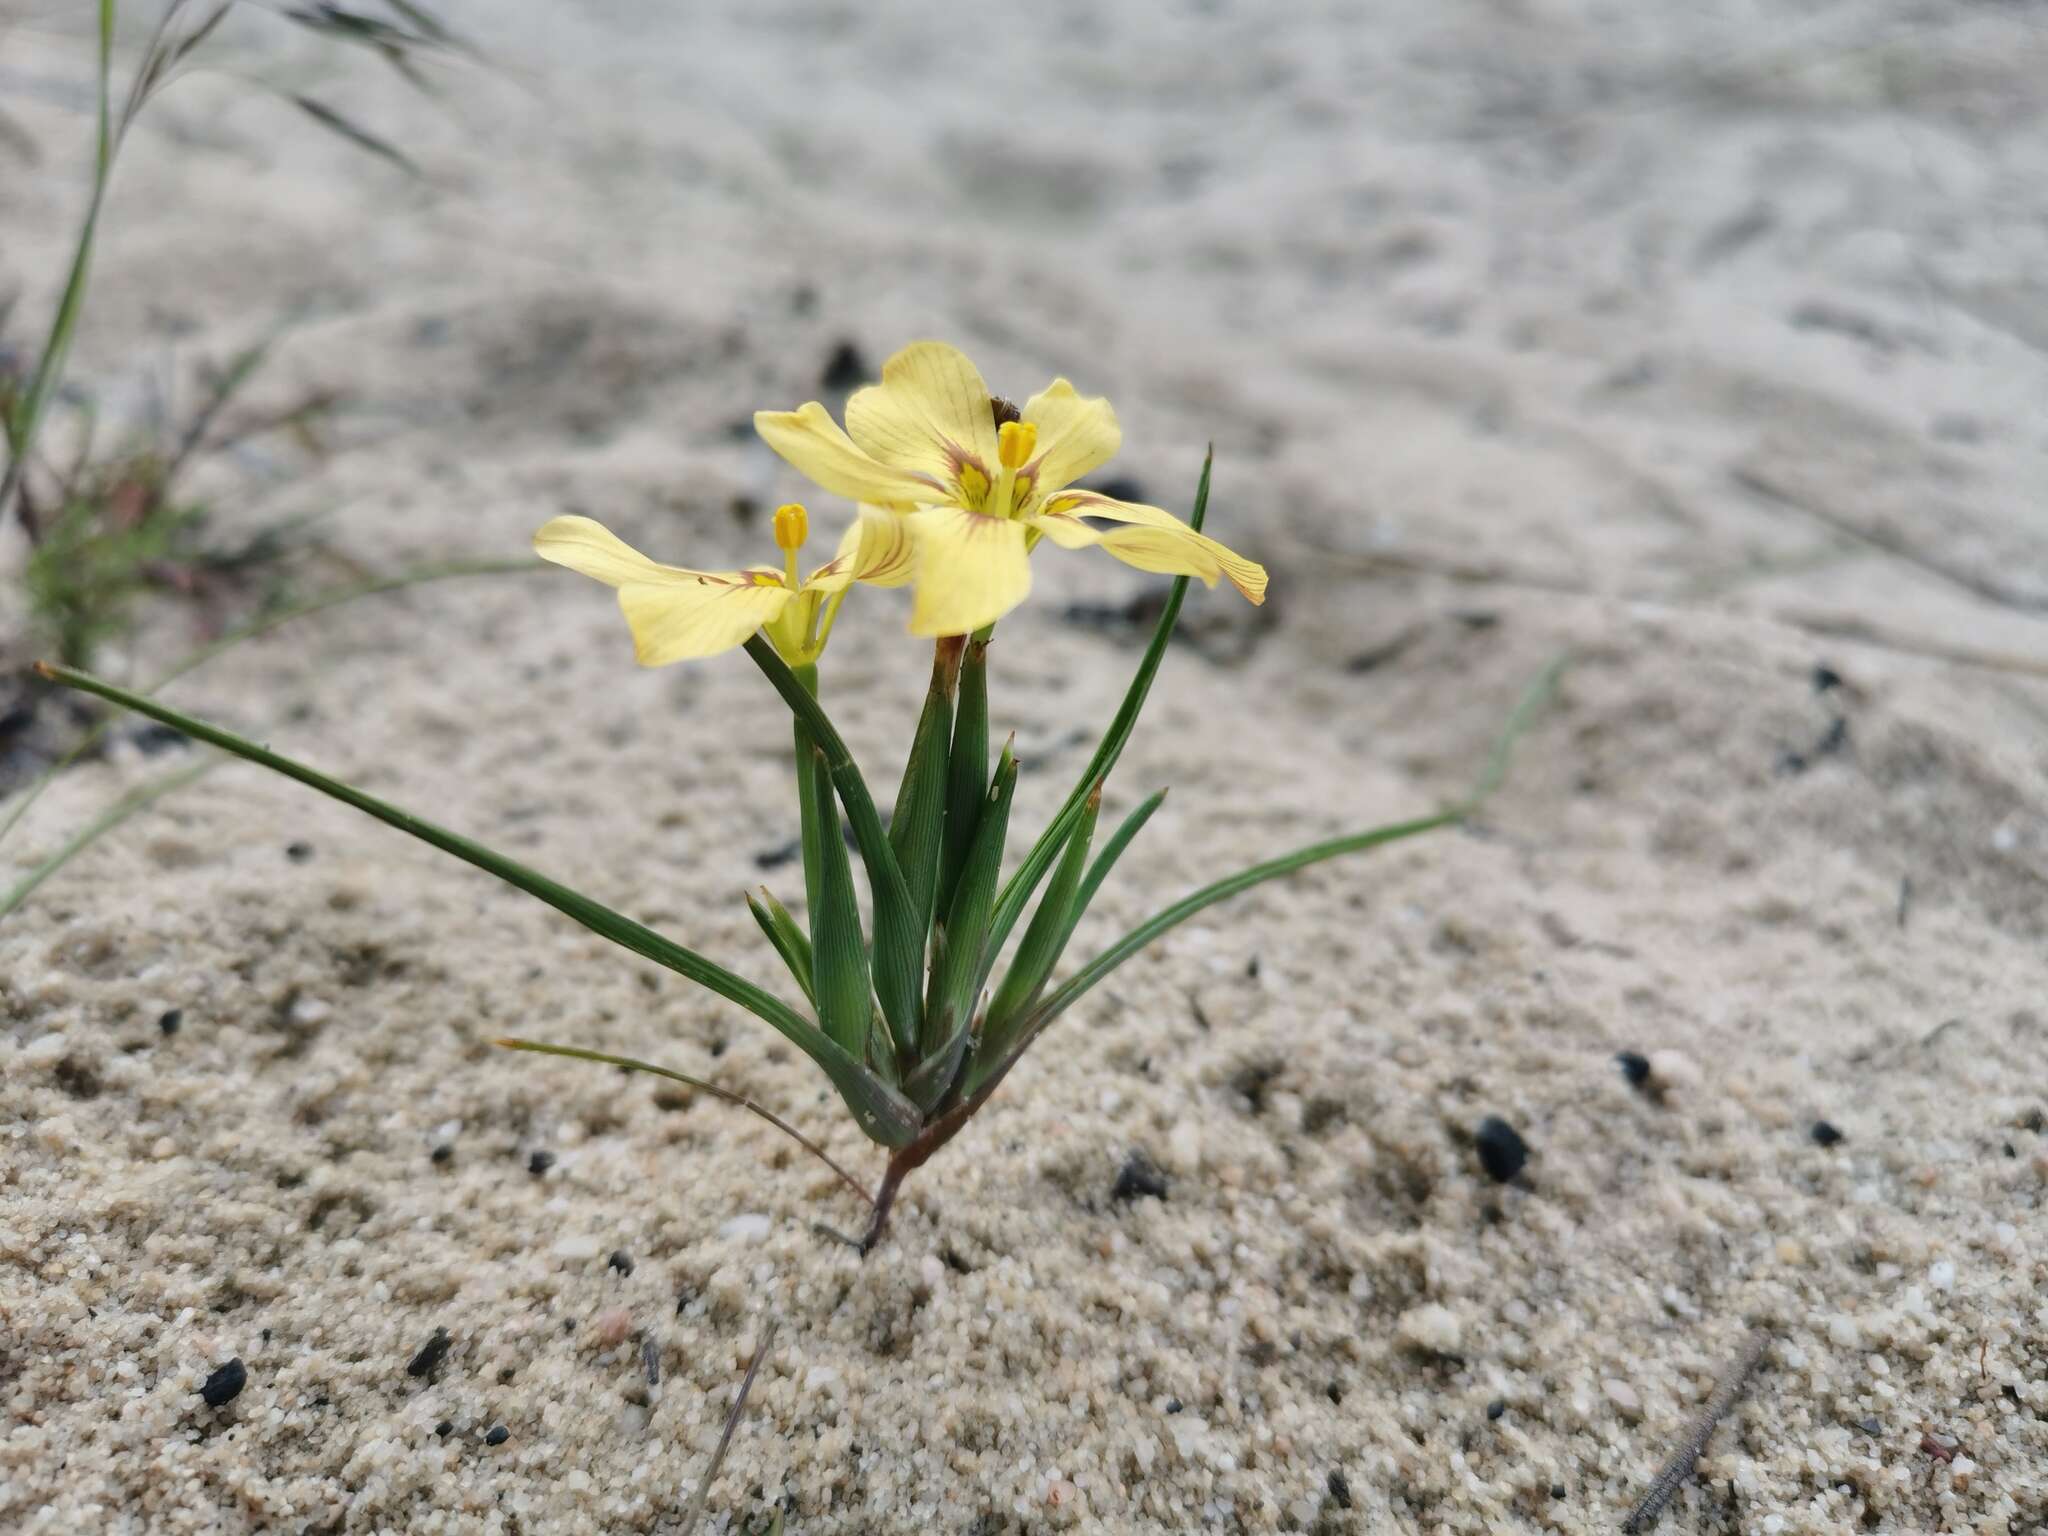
775,858
1340,1489
2035,1121
431,1354
1138,1177
2011,1150
1502,1152
650,1359
1825,677
1251,968
444,1153
170,1019
1791,764
540,1163
1825,1135
1634,1067
445,1428
845,368
154,738
1334,1393
1557,1490
225,1384
498,1436
621,1260
1872,1426
298,853
1173,1405
1496,1408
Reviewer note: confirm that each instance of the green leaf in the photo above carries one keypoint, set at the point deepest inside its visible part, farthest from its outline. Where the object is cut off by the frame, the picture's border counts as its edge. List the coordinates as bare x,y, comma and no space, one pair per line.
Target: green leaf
575,1053
918,822
1112,850
839,950
956,972
1047,936
899,944
790,941
967,770
883,1114
1017,892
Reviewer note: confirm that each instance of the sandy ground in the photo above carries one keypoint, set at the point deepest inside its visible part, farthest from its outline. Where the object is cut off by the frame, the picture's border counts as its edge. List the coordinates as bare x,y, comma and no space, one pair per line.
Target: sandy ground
1701,341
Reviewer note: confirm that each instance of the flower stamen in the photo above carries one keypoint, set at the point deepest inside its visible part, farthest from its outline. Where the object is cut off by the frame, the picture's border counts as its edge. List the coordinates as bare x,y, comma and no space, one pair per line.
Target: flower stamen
792,527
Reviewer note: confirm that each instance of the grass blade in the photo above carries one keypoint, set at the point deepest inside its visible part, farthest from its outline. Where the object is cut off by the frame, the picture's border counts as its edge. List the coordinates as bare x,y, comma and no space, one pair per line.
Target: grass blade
917,825
1047,936
130,804
1112,850
732,1422
355,133
790,941
1017,892
576,1053
966,772
881,1111
263,626
899,947
838,948
957,970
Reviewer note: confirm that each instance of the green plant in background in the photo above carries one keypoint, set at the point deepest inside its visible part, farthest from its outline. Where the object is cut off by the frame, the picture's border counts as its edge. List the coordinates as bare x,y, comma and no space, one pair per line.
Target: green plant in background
917,1022
102,531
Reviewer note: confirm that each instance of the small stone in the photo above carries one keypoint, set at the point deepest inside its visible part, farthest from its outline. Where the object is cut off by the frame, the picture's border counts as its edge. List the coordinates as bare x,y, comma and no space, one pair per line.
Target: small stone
1340,1489
431,1354
498,1435
444,1153
845,368
1502,1152
540,1162
1843,1332
609,1328
1941,1274
1825,677
445,1428
298,853
1431,1330
1624,1398
1872,1426
1138,1176
1557,1490
170,1020
1825,1135
1635,1067
225,1384
1496,1408
1173,1405
749,1226
621,1260
576,1246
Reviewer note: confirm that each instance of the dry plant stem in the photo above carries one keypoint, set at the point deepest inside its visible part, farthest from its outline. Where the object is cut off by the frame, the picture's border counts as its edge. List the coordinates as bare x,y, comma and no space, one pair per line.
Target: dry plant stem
732,1422
1679,1468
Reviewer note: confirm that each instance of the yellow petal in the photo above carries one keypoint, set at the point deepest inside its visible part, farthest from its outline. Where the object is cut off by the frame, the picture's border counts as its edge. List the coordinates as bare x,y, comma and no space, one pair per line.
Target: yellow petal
929,416
1075,435
971,570
1150,539
675,614
877,549
811,440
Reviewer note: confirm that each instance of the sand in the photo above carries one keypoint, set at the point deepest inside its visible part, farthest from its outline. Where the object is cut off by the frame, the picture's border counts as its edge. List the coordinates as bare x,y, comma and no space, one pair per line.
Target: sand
1704,344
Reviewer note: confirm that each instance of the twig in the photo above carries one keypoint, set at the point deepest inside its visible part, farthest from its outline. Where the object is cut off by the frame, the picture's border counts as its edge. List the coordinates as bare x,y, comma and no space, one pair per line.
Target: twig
732,1422
1679,1468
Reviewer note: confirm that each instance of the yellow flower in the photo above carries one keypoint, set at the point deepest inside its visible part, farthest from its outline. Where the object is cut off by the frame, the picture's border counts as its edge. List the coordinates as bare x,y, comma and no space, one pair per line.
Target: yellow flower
979,483
684,615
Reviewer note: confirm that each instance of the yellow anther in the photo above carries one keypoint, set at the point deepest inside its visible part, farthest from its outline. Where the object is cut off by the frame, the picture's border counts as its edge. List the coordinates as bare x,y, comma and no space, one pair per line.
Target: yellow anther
1015,442
792,526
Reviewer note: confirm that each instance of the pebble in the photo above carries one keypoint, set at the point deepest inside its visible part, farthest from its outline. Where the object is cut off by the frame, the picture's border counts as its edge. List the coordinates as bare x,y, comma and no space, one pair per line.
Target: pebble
1634,1067
1843,1332
1941,1274
578,1246
431,1354
1624,1398
1137,1177
749,1226
1673,1074
610,1328
1825,1135
298,853
540,1162
170,1019
225,1384
1340,1489
498,1436
1431,1329
1496,1408
1502,1152
621,1260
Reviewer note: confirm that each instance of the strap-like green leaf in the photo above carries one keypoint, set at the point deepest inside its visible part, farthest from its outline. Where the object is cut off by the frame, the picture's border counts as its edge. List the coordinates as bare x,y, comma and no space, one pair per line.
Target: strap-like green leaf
839,951
899,944
967,771
1017,892
918,822
956,974
1046,937
790,941
883,1114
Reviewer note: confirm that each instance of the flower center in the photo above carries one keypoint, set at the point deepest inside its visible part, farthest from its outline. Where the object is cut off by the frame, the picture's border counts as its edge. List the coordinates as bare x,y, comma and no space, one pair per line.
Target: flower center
792,527
1015,443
